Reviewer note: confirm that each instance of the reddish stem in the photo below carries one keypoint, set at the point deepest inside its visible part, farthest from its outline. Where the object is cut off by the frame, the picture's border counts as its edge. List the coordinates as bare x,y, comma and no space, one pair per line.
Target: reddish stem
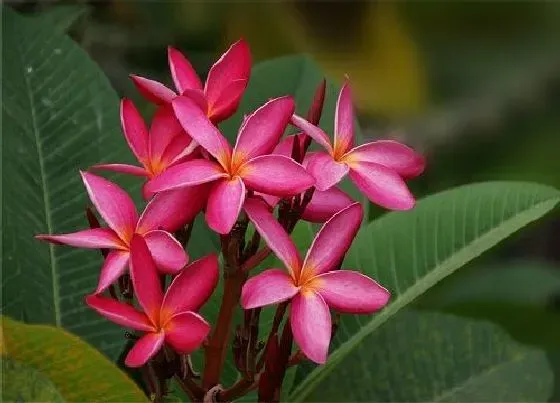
283,358
280,310
256,259
216,348
190,387
314,114
296,358
240,388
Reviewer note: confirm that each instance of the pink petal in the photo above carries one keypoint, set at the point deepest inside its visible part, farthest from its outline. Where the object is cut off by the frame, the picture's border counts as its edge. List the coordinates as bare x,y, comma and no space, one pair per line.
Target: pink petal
224,204
326,170
286,146
313,131
114,266
153,91
95,238
122,168
228,102
147,195
276,175
269,287
188,173
172,209
198,97
145,278
344,121
179,148
316,109
262,130
273,234
120,313
382,186
325,204
396,156
310,320
333,240
192,287
113,204
182,71
227,80
272,201
199,127
186,331
351,292
165,127
134,129
168,254
144,349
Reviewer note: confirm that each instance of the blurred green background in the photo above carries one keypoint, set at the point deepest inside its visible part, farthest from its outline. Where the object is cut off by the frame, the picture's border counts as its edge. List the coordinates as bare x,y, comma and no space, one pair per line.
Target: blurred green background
475,86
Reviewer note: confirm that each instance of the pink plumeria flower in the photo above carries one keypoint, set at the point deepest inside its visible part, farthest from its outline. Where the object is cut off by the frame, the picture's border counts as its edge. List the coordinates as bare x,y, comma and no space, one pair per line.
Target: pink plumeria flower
313,285
220,96
165,212
376,168
323,204
246,166
164,145
168,318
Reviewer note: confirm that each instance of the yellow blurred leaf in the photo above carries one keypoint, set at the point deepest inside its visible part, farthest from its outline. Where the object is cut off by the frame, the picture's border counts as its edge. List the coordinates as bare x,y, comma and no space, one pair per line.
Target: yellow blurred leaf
375,50
79,372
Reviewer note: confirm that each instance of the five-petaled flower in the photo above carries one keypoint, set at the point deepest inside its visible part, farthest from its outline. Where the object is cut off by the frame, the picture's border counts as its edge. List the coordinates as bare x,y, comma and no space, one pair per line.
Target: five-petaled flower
163,145
169,318
323,204
376,168
246,166
224,86
167,211
314,284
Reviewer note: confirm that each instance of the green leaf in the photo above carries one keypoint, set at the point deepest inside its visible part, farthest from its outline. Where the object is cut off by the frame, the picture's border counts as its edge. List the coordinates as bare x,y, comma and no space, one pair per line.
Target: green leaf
409,252
60,115
23,383
77,370
61,17
203,240
517,295
431,357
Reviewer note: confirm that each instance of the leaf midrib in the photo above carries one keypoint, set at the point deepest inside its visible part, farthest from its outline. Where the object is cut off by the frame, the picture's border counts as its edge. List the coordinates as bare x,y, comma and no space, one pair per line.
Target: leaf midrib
531,213
475,377
44,187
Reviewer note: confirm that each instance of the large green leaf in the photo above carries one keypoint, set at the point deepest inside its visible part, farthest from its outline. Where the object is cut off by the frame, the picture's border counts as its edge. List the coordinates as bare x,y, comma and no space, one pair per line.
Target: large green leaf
409,252
59,115
23,383
62,16
431,357
76,370
519,296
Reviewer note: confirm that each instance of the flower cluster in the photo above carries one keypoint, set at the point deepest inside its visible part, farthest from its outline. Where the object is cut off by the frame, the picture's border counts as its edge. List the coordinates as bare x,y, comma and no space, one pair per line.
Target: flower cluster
265,179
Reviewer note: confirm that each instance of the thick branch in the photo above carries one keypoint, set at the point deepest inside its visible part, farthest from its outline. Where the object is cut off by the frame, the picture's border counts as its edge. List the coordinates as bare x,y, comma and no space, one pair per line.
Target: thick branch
216,348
